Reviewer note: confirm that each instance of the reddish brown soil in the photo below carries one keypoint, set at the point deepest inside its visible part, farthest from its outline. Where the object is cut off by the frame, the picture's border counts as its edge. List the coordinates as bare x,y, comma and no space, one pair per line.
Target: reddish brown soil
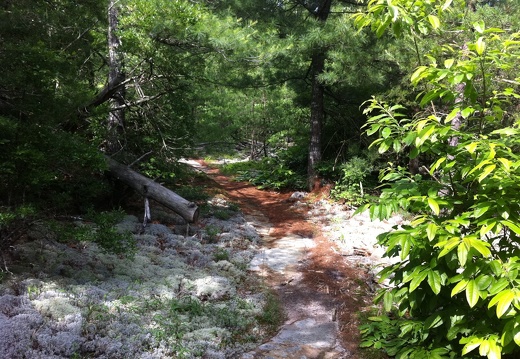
325,272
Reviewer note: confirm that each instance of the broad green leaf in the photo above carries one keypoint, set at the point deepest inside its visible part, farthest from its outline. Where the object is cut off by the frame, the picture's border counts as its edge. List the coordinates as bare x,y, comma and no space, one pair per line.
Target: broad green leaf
447,246
375,127
462,253
466,112
433,321
494,351
459,287
435,281
497,288
418,279
497,298
472,344
385,145
452,115
388,299
449,63
471,147
505,302
480,46
505,163
434,205
383,25
483,350
512,226
481,246
387,131
472,293
479,26
516,335
481,208
486,172
394,11
484,230
437,164
434,21
483,281
418,74
406,244
431,230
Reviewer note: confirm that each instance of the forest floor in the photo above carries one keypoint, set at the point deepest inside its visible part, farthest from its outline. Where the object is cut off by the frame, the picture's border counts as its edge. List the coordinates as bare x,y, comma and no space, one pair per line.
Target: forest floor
263,274
320,259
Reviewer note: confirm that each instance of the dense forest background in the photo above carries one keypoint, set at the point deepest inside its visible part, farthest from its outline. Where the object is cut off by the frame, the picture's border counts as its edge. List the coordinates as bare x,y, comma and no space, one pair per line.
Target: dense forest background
325,91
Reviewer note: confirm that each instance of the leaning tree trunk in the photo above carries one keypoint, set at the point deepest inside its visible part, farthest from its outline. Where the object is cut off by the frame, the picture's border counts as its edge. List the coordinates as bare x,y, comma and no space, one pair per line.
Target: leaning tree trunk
150,189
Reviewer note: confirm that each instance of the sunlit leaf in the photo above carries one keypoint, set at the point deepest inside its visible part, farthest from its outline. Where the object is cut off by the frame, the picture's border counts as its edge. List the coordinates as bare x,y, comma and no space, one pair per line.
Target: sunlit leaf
472,293
434,205
480,46
434,21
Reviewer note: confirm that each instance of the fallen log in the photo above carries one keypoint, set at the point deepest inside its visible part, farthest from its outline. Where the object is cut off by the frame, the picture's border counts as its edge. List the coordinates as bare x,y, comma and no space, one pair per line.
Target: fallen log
150,189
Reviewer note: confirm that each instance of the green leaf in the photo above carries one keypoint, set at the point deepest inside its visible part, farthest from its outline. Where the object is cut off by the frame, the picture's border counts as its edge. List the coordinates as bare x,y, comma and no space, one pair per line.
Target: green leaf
406,244
462,253
387,131
434,21
435,281
481,208
388,299
431,231
495,351
472,344
472,293
486,172
480,46
479,26
505,302
418,279
459,287
418,74
449,63
434,206
471,147
373,129
512,226
433,321
452,115
505,163
481,246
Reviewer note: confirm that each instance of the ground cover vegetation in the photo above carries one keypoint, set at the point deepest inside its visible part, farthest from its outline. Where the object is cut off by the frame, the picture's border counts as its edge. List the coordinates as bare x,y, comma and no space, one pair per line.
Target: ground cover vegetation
288,84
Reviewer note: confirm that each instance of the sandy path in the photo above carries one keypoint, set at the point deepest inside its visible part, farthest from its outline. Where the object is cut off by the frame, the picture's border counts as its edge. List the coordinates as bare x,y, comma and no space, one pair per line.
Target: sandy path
321,292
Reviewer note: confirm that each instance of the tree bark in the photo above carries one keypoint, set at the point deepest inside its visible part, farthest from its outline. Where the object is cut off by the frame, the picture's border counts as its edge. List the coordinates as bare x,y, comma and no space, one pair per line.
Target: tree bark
116,117
150,189
321,13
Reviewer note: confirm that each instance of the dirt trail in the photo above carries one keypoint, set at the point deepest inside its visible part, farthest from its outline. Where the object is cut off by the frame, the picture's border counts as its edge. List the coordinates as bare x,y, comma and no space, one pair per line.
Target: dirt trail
320,291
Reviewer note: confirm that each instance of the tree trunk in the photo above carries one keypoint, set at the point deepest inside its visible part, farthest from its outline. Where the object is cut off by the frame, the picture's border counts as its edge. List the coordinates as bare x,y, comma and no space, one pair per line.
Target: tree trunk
150,189
317,100
316,120
116,116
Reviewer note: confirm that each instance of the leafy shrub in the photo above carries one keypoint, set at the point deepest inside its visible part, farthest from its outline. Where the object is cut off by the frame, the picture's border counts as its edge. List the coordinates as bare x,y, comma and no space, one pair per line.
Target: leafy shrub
268,173
456,287
103,232
350,186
